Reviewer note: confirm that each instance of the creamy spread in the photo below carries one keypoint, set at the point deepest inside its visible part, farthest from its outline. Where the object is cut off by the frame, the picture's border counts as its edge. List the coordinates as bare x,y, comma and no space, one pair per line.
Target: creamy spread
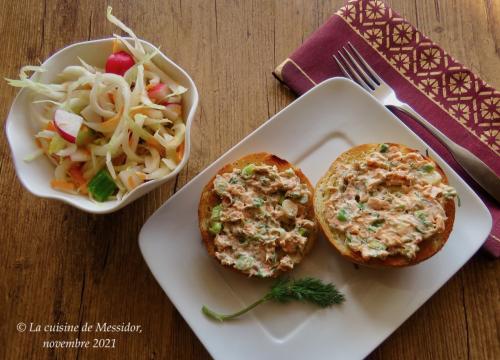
387,203
260,224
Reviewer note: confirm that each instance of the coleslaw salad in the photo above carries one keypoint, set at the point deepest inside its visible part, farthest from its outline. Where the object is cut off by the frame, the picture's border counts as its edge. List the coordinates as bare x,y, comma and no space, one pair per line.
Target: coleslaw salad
109,130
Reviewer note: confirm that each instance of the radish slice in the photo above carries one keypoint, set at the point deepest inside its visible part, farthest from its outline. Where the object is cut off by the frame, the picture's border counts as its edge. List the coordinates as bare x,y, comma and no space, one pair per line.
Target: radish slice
119,62
67,124
158,92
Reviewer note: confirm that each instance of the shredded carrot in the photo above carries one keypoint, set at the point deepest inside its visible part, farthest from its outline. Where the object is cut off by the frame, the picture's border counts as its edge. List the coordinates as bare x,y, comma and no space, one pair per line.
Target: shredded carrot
150,86
176,108
82,189
87,87
140,175
130,182
139,110
110,124
119,160
51,126
77,175
111,97
180,151
155,144
62,185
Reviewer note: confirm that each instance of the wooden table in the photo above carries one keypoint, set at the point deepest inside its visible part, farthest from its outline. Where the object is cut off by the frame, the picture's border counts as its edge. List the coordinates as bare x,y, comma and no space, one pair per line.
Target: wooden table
60,265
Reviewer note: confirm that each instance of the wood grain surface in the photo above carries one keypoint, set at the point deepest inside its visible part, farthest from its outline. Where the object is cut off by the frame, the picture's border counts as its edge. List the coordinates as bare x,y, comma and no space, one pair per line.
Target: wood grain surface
60,265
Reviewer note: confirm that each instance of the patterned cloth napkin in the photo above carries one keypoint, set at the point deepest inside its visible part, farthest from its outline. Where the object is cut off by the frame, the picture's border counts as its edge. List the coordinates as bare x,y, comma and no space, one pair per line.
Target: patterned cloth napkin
423,75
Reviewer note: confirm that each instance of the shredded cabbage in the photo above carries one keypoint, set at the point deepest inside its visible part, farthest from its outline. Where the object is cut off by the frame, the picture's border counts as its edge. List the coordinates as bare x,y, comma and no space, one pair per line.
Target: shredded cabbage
123,131
33,156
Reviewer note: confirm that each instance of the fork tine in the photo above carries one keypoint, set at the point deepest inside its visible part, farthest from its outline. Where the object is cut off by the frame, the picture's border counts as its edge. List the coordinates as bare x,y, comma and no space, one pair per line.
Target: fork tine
354,73
342,68
372,72
347,74
360,70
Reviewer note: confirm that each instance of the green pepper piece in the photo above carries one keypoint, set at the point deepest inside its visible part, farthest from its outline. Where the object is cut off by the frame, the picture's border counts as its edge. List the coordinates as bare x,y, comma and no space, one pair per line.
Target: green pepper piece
102,186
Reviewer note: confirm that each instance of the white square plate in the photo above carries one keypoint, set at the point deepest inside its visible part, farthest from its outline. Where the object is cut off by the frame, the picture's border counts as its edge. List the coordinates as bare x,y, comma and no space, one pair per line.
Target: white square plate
311,133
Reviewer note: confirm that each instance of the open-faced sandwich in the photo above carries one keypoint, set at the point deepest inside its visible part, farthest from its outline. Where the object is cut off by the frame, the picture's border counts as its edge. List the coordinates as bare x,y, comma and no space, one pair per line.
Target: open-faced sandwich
256,215
385,205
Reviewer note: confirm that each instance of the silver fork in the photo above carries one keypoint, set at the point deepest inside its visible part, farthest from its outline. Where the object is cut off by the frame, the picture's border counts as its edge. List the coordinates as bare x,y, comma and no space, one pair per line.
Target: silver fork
371,82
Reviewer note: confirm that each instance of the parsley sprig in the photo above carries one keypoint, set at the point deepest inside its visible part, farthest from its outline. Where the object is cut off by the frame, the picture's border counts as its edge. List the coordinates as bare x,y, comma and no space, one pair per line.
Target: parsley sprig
285,290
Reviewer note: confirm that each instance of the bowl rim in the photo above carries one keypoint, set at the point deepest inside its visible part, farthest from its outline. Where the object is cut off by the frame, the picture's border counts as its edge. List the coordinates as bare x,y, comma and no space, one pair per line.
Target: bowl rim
92,207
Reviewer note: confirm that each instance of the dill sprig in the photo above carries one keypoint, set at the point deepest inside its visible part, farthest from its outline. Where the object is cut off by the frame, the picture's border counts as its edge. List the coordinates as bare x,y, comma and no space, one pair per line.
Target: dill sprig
285,290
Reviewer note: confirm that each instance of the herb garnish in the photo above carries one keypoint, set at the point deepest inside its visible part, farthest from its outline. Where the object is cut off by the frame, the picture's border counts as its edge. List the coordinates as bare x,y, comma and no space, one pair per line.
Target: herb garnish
285,290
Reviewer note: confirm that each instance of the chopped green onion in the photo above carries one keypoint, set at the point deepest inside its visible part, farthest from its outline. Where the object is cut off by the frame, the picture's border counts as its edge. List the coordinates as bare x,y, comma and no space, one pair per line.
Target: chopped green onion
248,170
264,180
244,262
342,215
427,168
376,245
422,216
220,186
378,222
361,206
215,228
258,202
303,232
216,210
384,148
102,186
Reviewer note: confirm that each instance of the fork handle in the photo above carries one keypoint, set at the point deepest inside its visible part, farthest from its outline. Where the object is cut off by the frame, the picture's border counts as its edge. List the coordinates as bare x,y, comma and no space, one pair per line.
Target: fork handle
474,166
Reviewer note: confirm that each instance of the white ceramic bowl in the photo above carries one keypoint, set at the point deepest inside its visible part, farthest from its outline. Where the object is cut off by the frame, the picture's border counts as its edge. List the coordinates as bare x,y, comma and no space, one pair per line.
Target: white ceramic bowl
20,127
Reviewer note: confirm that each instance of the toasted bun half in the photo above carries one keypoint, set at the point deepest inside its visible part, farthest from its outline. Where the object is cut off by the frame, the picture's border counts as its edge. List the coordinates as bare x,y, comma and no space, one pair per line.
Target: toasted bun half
428,247
209,200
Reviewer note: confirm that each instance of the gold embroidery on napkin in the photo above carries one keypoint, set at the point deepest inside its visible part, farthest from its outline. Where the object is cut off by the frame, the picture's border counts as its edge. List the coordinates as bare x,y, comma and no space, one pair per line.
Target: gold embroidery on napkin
279,70
458,83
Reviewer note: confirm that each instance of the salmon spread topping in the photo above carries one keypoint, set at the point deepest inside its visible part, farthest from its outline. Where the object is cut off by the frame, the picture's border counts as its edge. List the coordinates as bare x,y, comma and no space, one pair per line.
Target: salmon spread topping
387,203
260,225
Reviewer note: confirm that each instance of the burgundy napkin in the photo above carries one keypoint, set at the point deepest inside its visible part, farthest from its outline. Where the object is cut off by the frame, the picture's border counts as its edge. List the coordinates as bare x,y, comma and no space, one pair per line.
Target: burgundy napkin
443,91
